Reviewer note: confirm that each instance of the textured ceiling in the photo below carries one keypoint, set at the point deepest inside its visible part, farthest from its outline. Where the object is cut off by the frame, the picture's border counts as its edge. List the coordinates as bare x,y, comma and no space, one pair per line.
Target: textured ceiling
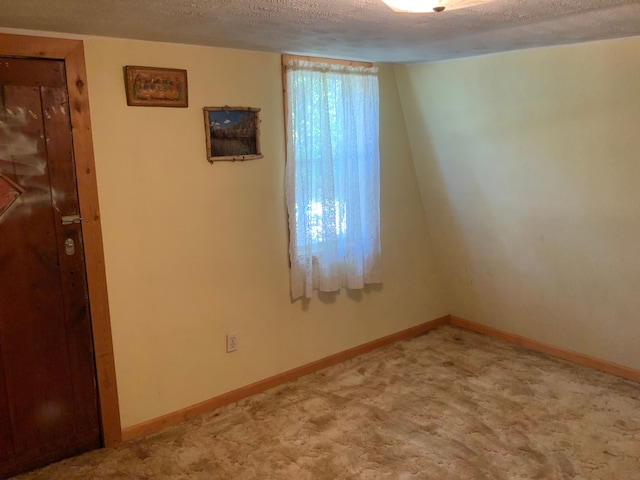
355,29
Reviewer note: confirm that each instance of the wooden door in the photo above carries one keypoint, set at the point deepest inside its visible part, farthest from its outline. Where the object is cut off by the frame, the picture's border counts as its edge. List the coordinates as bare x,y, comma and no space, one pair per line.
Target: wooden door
48,401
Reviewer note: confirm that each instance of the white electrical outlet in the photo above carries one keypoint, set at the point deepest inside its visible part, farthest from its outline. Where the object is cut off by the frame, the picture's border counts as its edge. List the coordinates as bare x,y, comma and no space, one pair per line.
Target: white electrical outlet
232,342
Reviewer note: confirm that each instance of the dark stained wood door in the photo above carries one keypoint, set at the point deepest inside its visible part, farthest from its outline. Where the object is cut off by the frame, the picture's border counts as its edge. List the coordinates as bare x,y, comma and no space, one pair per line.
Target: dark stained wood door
48,399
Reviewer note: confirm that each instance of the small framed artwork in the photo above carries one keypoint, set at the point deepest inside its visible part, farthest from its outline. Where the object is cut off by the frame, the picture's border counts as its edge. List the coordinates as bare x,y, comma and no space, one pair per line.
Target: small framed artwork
232,133
156,87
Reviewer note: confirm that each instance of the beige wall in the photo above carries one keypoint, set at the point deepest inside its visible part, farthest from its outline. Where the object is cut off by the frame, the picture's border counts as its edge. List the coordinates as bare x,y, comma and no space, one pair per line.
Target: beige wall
529,170
194,250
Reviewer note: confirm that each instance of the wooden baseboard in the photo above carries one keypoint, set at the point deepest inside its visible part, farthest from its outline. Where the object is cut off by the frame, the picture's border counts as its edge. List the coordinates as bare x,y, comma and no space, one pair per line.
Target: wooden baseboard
157,424
571,356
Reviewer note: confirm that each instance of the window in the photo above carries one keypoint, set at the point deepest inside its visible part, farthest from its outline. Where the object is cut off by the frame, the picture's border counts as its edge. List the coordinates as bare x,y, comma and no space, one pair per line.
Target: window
332,175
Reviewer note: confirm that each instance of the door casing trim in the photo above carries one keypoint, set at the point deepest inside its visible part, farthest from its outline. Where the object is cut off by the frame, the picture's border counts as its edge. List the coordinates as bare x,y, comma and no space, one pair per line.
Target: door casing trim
72,52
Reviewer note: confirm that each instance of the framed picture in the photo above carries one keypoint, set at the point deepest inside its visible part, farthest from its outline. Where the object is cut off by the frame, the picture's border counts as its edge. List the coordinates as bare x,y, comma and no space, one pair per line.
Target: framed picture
156,87
232,133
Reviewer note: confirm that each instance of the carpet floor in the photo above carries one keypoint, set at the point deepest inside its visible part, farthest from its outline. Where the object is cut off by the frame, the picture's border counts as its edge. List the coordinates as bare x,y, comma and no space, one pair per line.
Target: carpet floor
448,405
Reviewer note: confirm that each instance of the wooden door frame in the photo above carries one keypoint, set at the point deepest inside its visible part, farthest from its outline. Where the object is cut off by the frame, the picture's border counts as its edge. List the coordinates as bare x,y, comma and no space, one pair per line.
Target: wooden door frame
72,52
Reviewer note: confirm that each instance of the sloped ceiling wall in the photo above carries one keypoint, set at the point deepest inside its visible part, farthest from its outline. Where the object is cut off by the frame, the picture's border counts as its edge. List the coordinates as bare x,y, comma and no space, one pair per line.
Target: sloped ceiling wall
529,173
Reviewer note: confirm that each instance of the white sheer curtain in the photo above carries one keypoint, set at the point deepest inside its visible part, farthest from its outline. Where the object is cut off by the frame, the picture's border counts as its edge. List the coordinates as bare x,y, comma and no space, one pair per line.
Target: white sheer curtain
332,177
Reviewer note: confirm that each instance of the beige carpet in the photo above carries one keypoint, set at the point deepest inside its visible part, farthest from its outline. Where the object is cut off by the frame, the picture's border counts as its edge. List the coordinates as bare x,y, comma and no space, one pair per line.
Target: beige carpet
447,405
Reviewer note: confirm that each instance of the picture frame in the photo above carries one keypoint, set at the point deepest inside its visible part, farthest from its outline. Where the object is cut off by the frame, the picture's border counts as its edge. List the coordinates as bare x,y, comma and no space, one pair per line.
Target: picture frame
156,87
232,133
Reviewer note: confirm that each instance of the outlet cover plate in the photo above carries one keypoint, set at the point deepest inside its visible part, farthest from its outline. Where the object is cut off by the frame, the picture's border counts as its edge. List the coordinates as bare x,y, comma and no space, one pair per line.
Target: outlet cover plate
232,342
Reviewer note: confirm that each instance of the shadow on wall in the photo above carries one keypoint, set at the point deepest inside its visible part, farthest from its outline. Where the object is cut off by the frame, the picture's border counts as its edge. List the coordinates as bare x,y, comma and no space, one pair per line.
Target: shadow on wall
441,199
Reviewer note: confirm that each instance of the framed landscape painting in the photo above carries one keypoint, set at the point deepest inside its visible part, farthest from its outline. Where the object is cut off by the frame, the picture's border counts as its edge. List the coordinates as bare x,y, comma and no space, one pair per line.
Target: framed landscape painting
232,133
